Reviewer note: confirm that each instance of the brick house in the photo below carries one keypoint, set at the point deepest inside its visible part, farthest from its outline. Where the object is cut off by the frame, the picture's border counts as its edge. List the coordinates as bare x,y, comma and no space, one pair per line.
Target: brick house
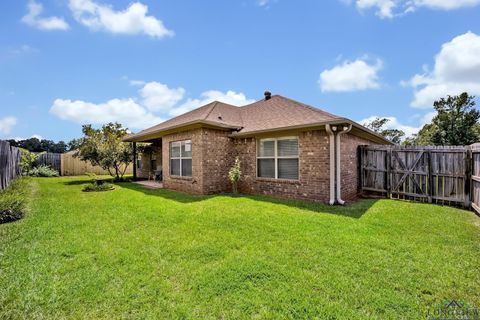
287,149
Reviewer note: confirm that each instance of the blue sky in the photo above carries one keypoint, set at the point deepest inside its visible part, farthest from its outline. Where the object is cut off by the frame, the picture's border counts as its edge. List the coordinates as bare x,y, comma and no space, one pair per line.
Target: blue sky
68,62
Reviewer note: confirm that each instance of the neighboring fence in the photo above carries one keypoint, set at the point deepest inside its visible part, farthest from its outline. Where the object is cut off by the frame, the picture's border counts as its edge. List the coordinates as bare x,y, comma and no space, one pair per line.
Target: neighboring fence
9,164
73,166
428,174
53,160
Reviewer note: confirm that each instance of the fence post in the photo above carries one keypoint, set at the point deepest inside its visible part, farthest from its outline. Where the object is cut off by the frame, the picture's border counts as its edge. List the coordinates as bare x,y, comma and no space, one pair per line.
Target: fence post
360,168
469,167
388,178
430,177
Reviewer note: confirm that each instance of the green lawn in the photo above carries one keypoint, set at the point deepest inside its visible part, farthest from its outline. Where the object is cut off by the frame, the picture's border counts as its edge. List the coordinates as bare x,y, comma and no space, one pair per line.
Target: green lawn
157,254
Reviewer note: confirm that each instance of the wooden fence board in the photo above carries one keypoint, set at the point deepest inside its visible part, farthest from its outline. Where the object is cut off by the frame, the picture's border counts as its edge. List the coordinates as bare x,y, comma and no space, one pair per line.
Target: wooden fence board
53,160
9,164
433,174
73,166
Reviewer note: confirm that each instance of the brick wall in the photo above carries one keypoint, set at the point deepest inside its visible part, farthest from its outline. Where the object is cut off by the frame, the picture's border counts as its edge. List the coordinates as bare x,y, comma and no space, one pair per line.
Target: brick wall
218,158
191,184
213,154
349,164
313,183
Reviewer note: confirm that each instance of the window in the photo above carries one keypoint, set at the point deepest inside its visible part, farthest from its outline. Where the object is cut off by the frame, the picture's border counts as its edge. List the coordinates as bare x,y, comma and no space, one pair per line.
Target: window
153,161
181,158
278,158
139,161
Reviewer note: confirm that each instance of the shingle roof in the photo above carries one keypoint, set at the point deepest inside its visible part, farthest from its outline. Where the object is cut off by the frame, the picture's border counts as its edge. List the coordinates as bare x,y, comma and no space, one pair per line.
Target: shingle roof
277,113
280,112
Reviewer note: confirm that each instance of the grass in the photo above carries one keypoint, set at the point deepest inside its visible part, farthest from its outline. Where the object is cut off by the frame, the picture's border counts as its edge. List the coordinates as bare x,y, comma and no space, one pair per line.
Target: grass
156,254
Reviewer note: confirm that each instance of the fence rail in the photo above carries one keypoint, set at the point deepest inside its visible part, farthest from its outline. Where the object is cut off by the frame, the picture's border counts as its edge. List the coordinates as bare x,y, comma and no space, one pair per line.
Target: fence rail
9,164
427,174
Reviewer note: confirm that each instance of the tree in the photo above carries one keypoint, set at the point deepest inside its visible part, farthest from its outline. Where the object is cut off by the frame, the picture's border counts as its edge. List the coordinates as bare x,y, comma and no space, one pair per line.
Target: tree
36,145
104,148
377,125
74,144
456,120
234,175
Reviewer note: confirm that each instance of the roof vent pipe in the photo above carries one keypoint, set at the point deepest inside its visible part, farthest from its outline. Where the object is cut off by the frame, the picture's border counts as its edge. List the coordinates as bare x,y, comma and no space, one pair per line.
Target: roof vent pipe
268,95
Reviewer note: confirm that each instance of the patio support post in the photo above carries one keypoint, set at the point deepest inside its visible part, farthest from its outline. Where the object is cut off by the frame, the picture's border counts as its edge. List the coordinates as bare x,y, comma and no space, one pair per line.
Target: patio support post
134,145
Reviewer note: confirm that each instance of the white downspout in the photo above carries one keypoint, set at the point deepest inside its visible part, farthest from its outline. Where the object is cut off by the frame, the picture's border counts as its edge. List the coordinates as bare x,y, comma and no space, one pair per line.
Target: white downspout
332,163
338,158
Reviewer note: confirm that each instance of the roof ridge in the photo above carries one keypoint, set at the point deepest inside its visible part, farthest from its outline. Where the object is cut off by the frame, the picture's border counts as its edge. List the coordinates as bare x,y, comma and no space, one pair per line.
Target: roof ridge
214,104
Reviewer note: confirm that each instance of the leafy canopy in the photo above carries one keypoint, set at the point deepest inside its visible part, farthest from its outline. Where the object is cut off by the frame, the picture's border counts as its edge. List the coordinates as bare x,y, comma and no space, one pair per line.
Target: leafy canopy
104,148
456,123
378,124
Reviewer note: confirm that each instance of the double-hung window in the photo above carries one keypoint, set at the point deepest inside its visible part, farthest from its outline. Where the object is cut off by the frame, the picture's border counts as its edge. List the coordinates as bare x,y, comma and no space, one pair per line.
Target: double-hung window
181,158
278,158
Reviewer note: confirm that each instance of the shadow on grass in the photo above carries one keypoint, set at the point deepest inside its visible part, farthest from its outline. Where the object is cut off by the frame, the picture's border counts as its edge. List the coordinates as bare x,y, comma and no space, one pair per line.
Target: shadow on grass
353,209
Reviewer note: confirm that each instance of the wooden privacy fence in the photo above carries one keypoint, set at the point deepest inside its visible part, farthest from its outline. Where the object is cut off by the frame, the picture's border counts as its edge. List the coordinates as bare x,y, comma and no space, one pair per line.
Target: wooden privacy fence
475,176
53,160
9,164
73,166
429,174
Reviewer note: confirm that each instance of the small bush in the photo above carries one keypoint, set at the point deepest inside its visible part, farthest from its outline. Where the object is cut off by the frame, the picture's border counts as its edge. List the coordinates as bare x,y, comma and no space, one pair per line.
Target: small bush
43,171
93,187
13,200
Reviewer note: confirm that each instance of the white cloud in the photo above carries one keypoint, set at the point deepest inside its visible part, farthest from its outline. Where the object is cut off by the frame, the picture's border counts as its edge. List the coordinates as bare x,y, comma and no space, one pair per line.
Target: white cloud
136,83
6,124
230,97
393,8
456,70
351,76
409,130
159,97
125,111
33,19
157,102
133,20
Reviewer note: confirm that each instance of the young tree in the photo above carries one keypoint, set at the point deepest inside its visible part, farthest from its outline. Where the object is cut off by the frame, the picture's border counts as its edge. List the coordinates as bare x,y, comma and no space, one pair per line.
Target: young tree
377,125
234,175
104,148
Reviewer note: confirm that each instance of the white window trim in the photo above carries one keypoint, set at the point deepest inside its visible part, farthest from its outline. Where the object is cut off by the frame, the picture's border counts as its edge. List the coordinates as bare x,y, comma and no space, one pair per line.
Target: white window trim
276,157
179,158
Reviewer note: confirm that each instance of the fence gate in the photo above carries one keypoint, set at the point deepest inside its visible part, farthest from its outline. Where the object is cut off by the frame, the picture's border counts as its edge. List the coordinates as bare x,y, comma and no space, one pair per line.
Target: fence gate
428,174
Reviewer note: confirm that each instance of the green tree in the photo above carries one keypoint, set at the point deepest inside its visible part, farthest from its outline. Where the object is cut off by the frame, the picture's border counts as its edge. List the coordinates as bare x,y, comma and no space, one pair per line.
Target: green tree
104,148
456,121
378,124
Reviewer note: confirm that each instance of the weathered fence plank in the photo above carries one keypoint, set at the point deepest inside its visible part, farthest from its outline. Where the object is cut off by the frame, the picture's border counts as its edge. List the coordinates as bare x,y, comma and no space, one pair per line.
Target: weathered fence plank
433,174
53,160
9,164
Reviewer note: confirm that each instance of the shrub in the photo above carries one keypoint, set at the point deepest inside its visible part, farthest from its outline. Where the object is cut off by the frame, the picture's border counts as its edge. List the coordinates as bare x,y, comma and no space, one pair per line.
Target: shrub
93,187
13,200
234,175
43,171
